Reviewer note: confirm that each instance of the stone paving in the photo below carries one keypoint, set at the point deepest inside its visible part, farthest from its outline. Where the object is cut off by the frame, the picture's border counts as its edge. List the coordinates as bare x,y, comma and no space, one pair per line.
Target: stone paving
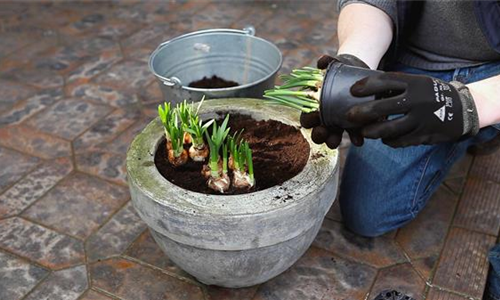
74,90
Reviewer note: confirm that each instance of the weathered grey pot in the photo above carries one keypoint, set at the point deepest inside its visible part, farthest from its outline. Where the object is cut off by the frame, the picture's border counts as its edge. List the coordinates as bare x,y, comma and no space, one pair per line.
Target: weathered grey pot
233,241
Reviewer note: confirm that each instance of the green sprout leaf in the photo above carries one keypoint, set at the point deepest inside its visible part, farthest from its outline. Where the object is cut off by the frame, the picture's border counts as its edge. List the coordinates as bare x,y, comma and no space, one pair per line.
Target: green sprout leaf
184,111
238,148
300,90
165,113
250,164
192,123
176,133
224,159
215,141
197,130
233,142
236,137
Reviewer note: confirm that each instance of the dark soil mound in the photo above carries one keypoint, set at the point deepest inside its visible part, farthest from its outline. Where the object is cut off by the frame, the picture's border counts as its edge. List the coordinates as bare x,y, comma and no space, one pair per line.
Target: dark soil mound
213,82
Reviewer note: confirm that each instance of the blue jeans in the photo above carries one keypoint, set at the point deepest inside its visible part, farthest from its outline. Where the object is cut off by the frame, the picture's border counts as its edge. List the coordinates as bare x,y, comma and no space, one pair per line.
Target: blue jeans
385,188
493,286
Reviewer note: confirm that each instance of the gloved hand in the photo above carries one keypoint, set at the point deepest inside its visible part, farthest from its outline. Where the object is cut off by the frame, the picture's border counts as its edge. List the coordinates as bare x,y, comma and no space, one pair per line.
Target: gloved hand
425,110
332,136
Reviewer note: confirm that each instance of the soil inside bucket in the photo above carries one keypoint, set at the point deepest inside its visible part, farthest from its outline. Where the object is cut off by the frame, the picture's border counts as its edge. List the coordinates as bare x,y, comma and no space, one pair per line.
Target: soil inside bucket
280,152
213,82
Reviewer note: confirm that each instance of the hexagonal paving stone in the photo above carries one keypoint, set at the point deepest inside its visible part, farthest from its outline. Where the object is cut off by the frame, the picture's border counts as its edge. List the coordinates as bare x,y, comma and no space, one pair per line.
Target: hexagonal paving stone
297,57
322,49
150,110
17,277
479,208
461,168
286,32
123,141
103,95
21,57
37,243
33,186
426,266
34,142
84,24
110,166
42,79
27,108
116,235
59,59
219,293
69,118
308,11
436,294
117,30
13,165
152,14
256,16
12,92
63,59
456,185
93,67
320,275
55,15
67,284
486,167
378,252
151,94
463,265
108,128
145,249
322,32
141,54
424,236
402,278
127,75
153,35
455,180
218,15
12,42
93,295
131,281
78,205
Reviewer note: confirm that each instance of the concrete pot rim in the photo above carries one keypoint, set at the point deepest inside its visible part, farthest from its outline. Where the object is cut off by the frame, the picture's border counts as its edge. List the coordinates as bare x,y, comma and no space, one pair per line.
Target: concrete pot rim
321,165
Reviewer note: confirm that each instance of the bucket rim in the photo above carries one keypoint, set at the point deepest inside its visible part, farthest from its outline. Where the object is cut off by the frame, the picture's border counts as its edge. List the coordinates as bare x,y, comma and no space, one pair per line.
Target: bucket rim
222,32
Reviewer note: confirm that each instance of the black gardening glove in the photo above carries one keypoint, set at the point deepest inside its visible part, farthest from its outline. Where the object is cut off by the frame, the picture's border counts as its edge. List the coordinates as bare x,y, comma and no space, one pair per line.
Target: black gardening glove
331,136
425,110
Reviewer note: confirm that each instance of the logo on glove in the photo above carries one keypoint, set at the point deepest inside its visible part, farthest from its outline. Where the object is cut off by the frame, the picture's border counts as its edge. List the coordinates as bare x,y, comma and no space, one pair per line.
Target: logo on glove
441,113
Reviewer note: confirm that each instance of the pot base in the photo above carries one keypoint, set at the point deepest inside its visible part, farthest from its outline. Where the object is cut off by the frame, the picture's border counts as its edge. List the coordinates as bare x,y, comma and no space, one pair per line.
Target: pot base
237,269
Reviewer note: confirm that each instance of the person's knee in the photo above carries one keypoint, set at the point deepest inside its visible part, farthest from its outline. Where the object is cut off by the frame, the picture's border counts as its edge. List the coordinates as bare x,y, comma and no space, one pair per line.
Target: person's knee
368,220
365,227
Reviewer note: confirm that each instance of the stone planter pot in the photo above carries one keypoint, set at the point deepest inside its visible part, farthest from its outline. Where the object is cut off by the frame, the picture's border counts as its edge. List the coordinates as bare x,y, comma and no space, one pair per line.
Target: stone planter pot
241,240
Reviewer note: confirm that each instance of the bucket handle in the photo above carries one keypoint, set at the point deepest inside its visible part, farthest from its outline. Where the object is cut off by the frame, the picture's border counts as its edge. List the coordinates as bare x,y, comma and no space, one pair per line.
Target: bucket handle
174,81
248,30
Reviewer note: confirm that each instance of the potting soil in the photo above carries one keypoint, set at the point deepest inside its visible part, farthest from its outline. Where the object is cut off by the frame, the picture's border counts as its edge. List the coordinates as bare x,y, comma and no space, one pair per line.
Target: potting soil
213,82
280,152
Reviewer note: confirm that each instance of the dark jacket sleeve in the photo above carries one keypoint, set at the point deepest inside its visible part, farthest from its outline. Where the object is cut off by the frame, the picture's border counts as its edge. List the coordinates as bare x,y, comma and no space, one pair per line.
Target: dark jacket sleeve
387,6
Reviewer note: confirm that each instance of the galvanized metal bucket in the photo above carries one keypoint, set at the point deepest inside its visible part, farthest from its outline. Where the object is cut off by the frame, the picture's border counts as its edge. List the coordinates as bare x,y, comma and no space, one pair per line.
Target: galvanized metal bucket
231,54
